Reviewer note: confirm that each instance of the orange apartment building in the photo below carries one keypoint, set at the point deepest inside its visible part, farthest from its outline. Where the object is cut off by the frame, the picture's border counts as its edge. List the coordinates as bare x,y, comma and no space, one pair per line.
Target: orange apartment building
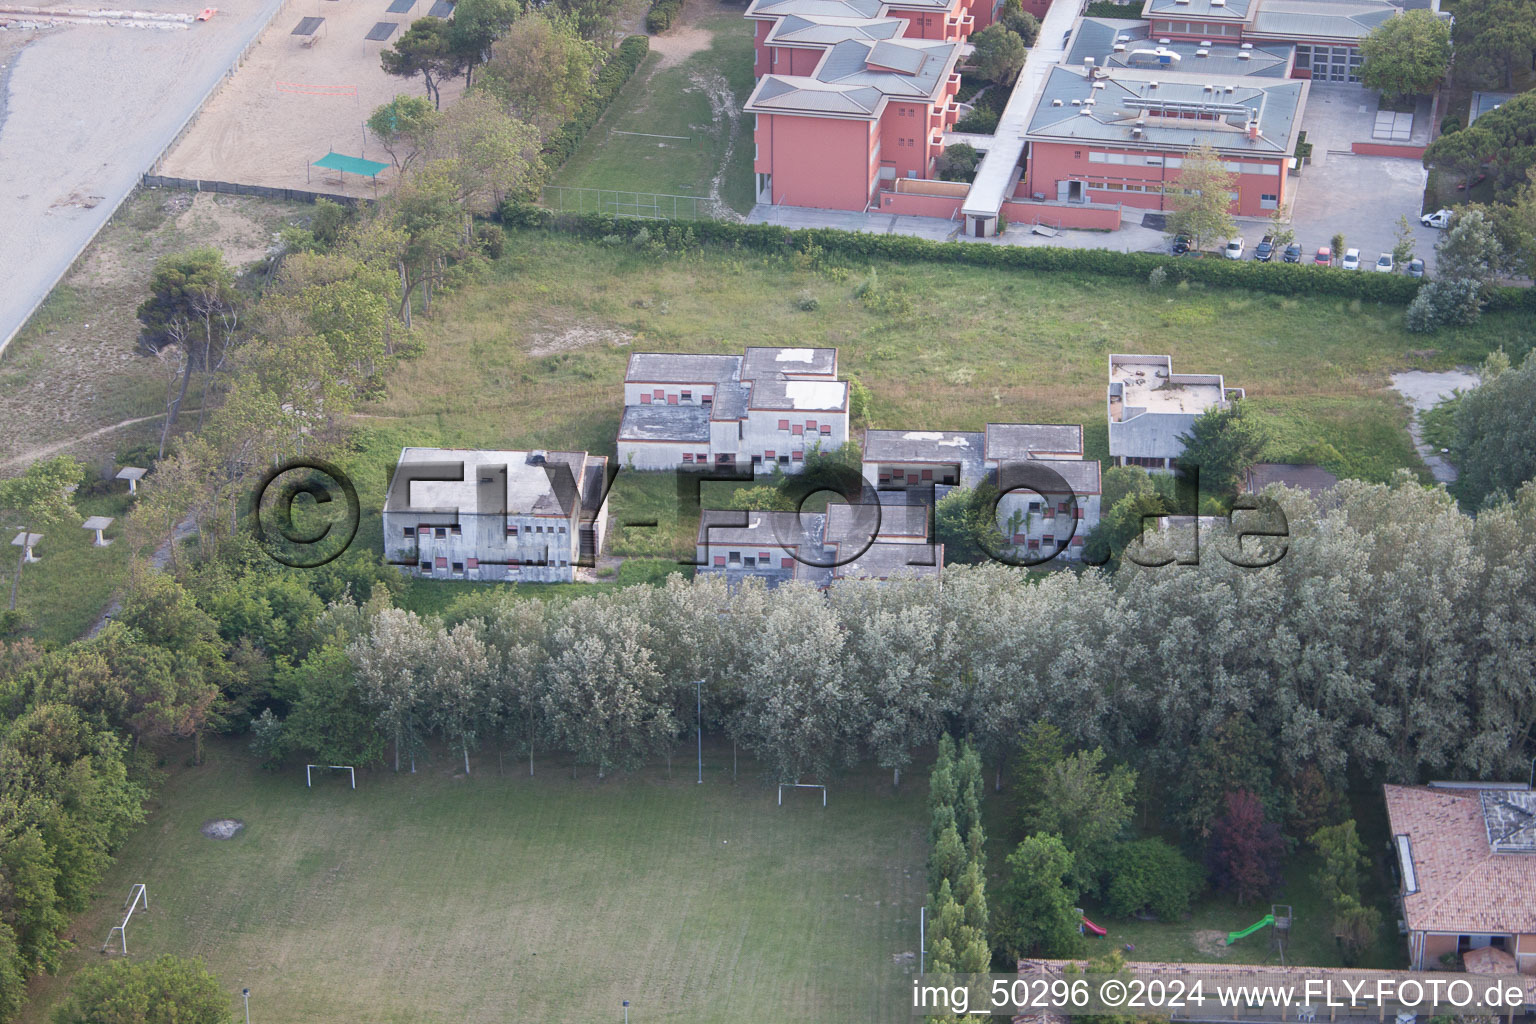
850,94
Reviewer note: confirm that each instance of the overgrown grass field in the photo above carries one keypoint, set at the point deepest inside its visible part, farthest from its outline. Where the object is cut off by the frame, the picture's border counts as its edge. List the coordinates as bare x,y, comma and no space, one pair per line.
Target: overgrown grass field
496,897
683,112
534,356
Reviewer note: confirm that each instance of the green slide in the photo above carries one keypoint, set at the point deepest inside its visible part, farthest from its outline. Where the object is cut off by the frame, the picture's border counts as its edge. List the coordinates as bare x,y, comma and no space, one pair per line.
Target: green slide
1264,922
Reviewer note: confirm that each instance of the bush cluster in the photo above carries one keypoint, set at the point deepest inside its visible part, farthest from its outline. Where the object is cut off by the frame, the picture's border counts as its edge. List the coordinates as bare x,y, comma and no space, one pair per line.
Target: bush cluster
616,71
662,14
1280,279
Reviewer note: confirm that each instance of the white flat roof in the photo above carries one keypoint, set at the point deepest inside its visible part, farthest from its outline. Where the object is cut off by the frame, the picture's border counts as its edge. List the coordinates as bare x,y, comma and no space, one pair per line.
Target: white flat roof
1150,386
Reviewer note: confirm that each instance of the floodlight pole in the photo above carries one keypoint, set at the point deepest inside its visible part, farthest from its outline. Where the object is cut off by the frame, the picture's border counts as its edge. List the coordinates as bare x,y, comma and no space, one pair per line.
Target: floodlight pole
922,941
698,687
246,994
626,1012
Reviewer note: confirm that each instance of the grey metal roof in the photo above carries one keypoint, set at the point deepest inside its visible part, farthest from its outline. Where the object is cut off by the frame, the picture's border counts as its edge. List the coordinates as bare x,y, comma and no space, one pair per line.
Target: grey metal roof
1313,479
800,30
1206,10
1116,108
665,423
731,400
680,367
469,482
856,523
883,560
845,84
762,9
774,532
940,446
799,394
1483,102
1082,475
1020,440
1098,37
1319,19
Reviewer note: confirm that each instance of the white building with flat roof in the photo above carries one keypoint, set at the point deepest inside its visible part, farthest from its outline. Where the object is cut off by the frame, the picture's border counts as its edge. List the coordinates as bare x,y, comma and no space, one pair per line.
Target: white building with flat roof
1149,407
517,516
763,409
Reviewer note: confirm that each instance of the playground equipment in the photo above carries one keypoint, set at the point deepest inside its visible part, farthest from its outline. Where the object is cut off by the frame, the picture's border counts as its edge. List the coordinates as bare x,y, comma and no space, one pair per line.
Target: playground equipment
1278,918
1263,922
1095,929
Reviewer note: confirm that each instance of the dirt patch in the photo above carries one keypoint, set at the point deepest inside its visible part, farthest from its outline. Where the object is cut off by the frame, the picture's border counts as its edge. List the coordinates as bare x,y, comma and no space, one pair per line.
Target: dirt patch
727,115
1211,943
550,342
685,38
212,222
222,828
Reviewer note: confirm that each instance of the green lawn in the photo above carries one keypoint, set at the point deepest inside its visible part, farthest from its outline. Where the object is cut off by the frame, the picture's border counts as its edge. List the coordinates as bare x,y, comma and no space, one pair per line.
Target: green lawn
61,596
436,897
697,102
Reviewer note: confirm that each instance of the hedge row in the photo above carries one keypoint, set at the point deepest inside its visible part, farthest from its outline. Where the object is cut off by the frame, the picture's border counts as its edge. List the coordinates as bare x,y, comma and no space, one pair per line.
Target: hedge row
1278,278
662,14
618,69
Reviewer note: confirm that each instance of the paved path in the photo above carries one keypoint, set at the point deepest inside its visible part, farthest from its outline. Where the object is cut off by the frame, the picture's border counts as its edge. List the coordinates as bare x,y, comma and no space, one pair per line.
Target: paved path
1132,237
87,110
1423,390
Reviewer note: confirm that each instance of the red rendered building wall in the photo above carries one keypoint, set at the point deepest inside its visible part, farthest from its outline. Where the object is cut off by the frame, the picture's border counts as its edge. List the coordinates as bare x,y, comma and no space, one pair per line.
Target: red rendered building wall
1050,162
821,162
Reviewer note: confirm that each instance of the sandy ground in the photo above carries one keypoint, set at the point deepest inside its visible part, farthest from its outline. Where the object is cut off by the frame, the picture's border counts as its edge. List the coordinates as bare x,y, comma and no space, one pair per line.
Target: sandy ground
1423,389
685,38
87,110
260,131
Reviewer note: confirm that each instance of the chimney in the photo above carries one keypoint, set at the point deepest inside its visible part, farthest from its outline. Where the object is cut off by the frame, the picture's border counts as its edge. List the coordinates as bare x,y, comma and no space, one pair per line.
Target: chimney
1253,130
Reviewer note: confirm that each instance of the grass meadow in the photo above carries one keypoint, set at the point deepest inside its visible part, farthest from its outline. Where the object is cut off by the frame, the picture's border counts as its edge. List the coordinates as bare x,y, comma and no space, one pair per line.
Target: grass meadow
694,96
496,897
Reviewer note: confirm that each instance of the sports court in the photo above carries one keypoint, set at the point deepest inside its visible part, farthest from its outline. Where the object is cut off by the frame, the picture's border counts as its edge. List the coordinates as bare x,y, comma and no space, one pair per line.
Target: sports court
306,90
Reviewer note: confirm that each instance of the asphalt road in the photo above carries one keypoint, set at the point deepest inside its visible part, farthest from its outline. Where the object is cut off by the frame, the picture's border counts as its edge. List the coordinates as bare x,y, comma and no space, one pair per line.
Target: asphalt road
88,109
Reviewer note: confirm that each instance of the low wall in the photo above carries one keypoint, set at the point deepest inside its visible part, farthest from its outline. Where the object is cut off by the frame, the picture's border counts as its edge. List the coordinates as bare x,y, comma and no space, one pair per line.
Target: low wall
232,189
909,205
1064,215
1387,149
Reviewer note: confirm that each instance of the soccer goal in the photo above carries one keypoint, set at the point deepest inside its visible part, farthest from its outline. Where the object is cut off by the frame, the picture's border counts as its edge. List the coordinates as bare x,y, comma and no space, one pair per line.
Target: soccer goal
802,785
136,895
309,772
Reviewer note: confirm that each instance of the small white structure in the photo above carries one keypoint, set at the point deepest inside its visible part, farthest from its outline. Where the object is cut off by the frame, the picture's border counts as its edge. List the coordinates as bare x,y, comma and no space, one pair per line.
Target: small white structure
763,409
98,523
1149,407
26,541
133,474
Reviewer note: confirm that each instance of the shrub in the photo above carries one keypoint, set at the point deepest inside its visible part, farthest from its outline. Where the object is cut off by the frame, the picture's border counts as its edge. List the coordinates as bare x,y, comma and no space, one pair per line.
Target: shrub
1450,124
958,162
1281,279
616,70
980,121
1440,302
662,14
1158,277
1150,875
807,302
493,240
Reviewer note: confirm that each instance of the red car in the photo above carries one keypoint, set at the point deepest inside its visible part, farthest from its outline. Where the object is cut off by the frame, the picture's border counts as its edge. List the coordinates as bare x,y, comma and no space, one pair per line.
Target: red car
1324,257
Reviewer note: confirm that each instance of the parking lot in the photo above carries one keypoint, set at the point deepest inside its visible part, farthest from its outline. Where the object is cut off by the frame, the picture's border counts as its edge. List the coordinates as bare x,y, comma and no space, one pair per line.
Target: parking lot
1360,197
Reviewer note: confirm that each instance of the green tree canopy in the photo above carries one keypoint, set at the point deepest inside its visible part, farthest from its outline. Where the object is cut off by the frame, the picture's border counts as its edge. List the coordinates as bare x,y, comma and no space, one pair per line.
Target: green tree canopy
169,990
542,70
1495,442
426,49
39,500
404,126
1222,444
1406,55
1034,915
1199,200
999,54
1494,39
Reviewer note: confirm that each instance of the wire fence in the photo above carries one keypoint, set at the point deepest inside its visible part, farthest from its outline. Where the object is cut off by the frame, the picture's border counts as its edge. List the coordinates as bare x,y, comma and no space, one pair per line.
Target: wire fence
618,203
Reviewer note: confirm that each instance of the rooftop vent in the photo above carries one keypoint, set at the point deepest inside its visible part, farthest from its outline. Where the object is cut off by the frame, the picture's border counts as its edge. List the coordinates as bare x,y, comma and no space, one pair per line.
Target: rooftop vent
1246,46
1165,41
1098,85
1210,88
1135,133
1218,3
1089,101
1205,42
1122,39
1244,54
1202,52
1152,84
1077,103
538,457
1231,87
1055,103
1087,62
1119,47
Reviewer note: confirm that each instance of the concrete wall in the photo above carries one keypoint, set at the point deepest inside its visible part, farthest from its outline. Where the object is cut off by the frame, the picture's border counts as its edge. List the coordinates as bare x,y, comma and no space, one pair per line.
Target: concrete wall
654,454
1386,149
539,538
1053,162
637,393
1097,218
761,434
946,207
820,162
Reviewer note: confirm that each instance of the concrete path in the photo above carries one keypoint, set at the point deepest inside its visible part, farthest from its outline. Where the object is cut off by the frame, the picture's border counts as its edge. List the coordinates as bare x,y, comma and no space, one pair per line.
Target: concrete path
87,109
1424,390
1130,238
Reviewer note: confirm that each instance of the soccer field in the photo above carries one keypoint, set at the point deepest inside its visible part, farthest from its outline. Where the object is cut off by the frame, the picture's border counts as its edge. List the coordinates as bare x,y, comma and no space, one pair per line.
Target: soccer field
435,897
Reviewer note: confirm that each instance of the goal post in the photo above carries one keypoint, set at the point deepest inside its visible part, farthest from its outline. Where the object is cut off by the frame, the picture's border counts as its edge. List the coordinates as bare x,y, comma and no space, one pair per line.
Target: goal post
309,769
802,785
138,894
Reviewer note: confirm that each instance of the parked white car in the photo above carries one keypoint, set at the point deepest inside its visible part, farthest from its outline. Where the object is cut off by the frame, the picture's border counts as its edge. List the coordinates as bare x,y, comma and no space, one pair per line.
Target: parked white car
1235,247
1384,264
1351,259
1441,218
